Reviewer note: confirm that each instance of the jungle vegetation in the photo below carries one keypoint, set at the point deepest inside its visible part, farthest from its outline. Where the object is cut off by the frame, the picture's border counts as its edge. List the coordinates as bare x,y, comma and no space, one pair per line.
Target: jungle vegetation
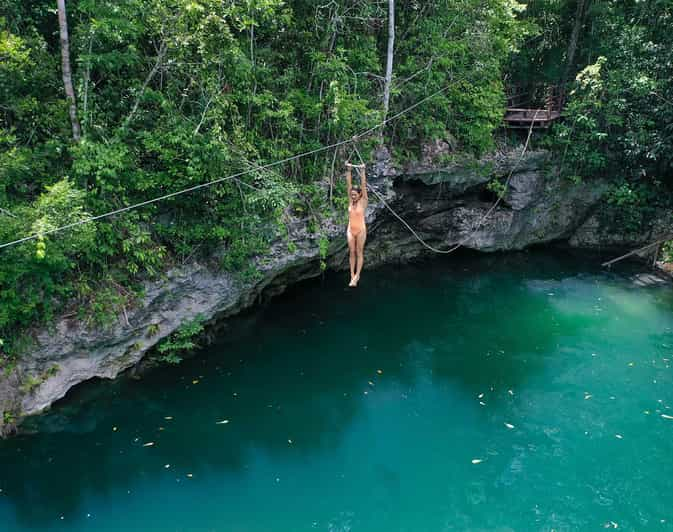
105,103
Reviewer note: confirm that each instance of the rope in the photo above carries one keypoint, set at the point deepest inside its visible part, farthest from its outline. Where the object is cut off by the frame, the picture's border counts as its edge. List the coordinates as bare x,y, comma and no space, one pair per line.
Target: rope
228,178
483,218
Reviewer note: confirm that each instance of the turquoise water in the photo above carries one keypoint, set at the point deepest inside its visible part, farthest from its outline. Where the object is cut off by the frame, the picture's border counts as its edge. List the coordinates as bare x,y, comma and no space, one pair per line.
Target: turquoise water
509,392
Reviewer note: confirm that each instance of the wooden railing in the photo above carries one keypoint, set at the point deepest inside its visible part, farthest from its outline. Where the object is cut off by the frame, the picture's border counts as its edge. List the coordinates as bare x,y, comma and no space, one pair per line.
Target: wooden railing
537,105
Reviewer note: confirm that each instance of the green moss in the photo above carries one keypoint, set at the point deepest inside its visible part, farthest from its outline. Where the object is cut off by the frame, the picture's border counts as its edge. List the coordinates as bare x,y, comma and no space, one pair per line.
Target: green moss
52,371
152,330
497,187
30,383
323,247
8,418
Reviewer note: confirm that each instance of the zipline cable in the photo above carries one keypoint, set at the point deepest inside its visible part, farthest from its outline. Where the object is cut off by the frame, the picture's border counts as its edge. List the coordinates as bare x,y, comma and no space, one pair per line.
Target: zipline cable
483,218
228,178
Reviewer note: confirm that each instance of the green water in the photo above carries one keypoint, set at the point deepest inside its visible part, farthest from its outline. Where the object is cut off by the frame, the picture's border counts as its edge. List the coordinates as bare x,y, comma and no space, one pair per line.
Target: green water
364,410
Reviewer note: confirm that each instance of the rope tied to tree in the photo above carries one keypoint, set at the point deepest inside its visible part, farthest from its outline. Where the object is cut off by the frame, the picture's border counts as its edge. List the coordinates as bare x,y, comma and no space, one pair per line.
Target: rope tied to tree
234,177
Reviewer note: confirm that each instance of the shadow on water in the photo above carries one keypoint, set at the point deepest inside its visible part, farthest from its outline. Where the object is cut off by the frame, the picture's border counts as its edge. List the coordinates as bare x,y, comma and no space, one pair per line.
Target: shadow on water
297,371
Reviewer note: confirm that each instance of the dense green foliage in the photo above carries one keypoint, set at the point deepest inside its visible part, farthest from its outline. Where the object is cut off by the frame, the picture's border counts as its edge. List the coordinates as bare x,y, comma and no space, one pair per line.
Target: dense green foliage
173,93
619,115
183,340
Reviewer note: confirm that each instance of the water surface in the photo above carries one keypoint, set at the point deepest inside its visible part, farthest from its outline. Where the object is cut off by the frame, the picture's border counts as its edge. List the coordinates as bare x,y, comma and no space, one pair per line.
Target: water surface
510,392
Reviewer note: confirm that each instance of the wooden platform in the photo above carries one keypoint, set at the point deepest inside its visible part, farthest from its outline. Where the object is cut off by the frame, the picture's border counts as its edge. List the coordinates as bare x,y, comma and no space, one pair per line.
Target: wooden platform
523,118
539,106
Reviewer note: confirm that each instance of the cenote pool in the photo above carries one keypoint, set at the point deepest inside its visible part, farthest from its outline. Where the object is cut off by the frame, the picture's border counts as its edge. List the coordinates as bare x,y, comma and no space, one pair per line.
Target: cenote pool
512,392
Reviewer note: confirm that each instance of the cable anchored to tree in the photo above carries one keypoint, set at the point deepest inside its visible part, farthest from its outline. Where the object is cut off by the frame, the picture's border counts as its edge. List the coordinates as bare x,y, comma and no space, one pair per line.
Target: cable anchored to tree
234,177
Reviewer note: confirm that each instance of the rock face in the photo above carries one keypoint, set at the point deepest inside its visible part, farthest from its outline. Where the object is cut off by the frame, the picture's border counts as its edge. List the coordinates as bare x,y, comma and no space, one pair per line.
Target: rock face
444,199
594,233
535,209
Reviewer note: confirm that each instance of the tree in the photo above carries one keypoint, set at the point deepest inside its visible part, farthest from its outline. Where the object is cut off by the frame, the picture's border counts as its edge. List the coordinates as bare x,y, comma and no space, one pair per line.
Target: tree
580,17
65,67
389,58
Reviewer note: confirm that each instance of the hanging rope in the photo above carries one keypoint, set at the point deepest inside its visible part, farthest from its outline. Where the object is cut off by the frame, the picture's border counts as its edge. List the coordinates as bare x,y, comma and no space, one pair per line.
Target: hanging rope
234,177
483,218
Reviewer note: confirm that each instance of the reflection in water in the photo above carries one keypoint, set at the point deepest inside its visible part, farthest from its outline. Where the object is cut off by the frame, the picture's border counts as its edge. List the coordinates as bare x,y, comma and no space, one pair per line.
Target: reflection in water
364,409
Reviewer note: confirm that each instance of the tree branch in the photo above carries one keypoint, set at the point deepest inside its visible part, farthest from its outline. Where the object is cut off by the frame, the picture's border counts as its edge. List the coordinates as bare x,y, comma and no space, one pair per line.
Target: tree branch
160,58
7,213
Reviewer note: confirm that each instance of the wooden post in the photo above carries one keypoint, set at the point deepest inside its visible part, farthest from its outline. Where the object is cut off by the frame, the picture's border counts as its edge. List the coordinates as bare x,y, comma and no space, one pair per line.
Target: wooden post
656,256
549,102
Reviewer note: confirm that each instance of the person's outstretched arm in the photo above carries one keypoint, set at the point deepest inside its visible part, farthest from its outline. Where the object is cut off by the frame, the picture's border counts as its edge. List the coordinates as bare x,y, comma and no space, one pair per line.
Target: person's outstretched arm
349,179
363,184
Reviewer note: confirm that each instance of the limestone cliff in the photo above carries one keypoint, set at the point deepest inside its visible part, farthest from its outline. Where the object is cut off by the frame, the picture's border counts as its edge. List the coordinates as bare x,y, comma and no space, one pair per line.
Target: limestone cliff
443,198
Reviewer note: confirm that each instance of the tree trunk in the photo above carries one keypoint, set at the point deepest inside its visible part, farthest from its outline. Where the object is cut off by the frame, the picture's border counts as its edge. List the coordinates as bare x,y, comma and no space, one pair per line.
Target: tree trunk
65,66
580,15
254,76
389,60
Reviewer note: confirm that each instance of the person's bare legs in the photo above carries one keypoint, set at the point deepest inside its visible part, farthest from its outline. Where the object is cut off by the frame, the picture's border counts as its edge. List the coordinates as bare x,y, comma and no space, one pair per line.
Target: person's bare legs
353,257
360,246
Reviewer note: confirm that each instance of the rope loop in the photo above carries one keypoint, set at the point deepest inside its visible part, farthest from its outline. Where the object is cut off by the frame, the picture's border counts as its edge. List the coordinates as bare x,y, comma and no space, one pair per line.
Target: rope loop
462,242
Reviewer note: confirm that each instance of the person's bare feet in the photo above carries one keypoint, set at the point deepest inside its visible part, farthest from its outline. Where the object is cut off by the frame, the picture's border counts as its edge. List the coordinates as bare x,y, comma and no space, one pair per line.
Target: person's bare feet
353,282
356,280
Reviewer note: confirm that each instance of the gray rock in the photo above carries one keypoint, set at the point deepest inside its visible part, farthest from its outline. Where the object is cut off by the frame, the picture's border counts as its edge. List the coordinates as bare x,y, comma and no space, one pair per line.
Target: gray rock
594,233
457,174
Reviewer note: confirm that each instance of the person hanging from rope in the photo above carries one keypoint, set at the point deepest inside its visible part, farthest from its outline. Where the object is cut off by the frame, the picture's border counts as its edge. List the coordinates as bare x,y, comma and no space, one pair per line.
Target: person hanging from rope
357,229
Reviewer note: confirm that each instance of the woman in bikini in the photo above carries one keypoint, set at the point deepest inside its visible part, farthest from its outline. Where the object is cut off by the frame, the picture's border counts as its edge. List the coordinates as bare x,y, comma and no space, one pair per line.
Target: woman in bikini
357,229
